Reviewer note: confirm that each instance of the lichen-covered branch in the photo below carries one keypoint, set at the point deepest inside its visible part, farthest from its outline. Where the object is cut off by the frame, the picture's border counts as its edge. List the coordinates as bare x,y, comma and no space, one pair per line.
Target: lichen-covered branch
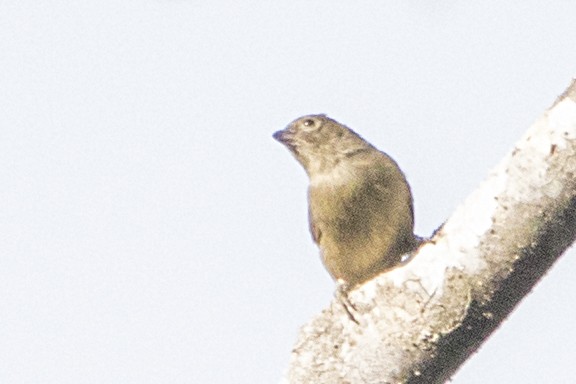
420,322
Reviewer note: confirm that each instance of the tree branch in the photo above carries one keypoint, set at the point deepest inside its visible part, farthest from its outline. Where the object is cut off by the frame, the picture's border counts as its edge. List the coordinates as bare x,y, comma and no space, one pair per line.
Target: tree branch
421,321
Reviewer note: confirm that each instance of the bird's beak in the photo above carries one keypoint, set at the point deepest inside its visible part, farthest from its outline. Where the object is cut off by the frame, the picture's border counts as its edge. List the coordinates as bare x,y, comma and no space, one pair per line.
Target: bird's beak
281,136
286,137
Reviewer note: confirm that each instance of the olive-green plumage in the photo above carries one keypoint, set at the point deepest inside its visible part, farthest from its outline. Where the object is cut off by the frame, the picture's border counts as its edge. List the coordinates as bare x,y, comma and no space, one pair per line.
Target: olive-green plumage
360,205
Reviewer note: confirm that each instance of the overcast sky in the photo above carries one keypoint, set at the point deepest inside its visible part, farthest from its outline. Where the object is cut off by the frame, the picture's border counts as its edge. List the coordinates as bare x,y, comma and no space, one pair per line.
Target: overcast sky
152,231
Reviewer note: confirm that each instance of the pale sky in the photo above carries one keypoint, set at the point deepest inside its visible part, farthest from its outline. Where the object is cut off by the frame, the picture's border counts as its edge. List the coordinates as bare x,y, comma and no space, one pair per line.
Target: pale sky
152,231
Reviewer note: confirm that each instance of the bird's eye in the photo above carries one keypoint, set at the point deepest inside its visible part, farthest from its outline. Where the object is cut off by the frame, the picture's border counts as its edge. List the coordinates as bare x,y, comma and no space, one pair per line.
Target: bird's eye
308,123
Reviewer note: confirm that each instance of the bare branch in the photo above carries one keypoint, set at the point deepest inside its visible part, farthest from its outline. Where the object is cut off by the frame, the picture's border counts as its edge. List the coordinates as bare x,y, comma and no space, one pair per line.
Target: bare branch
420,322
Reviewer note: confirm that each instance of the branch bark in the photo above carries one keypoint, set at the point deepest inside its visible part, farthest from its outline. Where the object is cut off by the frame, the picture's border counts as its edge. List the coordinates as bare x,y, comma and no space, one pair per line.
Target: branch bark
421,321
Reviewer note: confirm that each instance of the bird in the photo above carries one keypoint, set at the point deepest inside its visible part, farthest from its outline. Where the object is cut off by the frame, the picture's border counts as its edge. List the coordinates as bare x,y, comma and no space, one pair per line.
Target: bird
360,207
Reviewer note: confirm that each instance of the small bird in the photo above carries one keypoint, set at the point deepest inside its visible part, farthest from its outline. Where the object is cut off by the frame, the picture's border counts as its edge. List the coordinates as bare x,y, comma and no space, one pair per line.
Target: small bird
359,202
